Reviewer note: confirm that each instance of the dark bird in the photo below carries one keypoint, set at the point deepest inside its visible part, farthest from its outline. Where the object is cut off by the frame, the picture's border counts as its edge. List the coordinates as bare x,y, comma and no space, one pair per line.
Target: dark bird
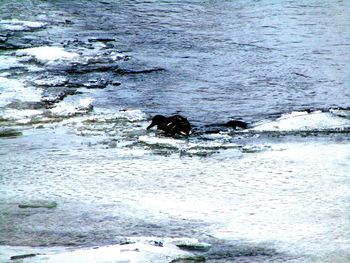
236,124
173,125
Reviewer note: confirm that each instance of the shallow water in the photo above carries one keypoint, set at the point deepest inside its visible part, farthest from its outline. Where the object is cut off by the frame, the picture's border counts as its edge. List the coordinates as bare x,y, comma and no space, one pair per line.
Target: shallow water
79,82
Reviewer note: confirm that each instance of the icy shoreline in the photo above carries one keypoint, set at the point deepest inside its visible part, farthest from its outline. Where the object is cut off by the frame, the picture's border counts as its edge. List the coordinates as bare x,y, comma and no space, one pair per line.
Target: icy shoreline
134,250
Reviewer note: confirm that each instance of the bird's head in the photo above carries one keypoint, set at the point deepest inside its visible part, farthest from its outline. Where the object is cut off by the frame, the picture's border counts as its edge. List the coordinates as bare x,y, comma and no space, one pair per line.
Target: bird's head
156,120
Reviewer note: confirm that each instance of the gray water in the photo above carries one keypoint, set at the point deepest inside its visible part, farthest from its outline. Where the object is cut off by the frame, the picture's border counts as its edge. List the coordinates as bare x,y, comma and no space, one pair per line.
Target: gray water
79,82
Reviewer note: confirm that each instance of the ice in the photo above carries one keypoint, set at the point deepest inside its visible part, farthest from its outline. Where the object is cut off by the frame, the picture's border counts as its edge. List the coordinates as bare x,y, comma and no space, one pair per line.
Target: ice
47,54
162,141
71,108
15,90
131,114
304,121
7,62
22,116
20,25
140,251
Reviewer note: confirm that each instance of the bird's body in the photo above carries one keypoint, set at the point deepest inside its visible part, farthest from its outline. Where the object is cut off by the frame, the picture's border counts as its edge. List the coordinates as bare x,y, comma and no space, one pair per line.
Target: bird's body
173,125
236,124
219,127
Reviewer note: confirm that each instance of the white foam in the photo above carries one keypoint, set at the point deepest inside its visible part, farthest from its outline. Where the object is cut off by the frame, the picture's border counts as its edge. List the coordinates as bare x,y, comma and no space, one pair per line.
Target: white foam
22,116
163,141
71,108
52,81
111,116
7,62
131,115
216,136
47,54
15,90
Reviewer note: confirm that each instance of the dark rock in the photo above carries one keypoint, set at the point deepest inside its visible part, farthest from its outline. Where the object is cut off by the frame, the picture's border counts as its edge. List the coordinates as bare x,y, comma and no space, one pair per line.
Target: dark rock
101,39
301,75
88,68
115,83
33,105
9,133
202,247
96,84
189,259
9,46
134,71
156,243
3,38
126,242
39,204
54,95
22,256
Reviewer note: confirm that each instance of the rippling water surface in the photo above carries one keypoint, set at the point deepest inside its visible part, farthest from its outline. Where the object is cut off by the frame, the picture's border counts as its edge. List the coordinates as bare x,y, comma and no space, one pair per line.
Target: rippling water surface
79,82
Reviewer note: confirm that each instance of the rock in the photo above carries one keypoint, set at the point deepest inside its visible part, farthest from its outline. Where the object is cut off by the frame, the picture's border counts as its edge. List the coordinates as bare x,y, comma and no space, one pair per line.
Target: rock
9,133
3,38
189,259
54,95
202,247
22,256
192,245
137,71
96,84
39,204
23,105
101,39
88,68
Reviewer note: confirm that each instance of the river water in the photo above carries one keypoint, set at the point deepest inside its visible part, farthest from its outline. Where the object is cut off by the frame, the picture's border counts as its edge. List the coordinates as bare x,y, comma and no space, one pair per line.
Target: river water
82,178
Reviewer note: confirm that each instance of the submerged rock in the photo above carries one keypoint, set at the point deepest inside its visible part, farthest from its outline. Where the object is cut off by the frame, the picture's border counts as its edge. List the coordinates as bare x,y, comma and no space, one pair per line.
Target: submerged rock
39,204
203,247
54,95
192,245
23,105
22,256
8,44
101,39
88,68
137,71
9,132
3,38
189,259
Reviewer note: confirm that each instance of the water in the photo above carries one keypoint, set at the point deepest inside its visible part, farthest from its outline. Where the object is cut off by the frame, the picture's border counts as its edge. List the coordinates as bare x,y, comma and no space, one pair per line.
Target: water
79,83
